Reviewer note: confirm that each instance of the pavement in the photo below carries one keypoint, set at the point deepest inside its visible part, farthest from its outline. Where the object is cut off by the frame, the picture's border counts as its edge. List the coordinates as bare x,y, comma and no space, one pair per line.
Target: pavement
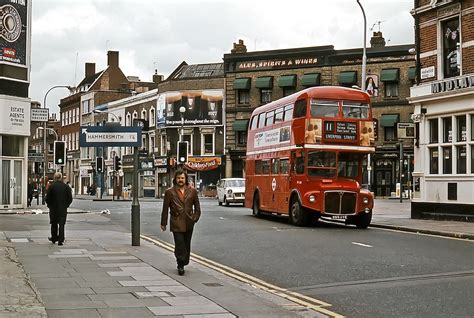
97,273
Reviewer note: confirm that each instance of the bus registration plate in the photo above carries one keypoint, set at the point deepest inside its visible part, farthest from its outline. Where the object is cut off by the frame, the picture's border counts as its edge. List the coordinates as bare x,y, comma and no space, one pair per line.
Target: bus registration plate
338,217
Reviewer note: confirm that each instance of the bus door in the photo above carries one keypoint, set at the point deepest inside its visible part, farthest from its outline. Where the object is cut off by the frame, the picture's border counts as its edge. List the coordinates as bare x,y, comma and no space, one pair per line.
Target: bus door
280,185
297,175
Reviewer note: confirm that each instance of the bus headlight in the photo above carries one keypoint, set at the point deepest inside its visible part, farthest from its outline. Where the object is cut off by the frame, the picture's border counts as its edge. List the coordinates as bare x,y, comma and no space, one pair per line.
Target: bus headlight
365,200
312,198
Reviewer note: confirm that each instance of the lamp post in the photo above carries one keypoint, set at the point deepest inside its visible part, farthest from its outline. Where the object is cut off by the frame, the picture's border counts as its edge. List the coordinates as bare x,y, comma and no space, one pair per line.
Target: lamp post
98,111
50,129
364,55
45,158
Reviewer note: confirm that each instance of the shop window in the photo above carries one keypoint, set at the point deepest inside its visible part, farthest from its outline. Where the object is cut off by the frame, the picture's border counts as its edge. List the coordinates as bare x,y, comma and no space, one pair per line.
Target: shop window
461,128
447,129
243,97
433,124
12,145
389,133
391,89
433,160
208,144
241,138
461,159
451,47
447,160
265,96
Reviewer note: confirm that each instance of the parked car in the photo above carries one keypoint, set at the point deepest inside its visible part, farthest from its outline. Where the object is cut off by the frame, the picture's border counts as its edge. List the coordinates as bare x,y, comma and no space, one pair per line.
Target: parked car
231,190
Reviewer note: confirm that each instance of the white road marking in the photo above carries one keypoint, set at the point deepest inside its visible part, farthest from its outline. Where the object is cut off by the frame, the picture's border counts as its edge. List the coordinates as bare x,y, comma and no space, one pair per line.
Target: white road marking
360,244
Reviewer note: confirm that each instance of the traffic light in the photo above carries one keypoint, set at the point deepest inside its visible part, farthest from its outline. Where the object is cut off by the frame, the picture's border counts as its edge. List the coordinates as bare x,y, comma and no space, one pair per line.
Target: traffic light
182,152
38,167
99,164
60,153
117,163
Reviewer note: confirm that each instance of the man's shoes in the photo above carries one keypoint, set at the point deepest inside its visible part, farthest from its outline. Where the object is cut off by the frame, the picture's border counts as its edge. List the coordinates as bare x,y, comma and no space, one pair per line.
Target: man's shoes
51,240
180,270
60,243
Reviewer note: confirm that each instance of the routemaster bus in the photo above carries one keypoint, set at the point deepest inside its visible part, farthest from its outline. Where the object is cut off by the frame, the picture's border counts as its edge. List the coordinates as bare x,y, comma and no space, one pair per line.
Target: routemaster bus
306,155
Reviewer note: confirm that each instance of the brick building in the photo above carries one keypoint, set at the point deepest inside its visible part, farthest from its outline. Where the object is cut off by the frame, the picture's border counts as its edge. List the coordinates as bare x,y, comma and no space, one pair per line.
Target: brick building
256,78
199,89
443,101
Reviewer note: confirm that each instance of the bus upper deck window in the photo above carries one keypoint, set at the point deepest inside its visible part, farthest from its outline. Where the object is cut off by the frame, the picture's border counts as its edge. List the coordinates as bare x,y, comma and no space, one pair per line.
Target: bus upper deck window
288,112
355,110
254,122
324,108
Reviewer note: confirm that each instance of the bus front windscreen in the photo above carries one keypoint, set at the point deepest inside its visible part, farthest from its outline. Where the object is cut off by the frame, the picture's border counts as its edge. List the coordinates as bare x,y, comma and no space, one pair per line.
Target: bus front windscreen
327,164
348,165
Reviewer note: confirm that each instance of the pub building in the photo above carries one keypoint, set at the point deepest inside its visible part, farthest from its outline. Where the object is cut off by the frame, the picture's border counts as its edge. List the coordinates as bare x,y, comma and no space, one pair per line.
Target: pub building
191,109
443,101
255,78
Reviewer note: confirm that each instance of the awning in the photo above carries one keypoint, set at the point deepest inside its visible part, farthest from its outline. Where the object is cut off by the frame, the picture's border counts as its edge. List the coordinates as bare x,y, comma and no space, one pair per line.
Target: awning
311,79
264,82
389,120
390,75
240,125
287,81
412,73
348,77
242,83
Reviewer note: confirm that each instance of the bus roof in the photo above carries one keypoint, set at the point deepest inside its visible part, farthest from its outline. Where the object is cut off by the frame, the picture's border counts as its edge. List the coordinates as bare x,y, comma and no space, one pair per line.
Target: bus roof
323,92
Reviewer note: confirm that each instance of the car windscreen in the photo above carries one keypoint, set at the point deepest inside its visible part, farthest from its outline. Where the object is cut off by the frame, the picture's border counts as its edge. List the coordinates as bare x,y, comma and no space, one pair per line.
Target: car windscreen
235,183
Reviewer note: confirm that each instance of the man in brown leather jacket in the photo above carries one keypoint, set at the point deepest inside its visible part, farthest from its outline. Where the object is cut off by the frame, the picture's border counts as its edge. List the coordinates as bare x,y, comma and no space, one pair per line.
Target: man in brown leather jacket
182,202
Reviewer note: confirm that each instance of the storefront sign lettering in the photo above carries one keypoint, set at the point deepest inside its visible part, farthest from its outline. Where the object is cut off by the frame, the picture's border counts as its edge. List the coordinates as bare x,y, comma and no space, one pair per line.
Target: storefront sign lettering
269,64
452,84
203,163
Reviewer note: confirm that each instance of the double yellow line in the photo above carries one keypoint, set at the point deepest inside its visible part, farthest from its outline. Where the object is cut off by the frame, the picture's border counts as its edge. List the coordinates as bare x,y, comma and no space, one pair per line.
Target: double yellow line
305,301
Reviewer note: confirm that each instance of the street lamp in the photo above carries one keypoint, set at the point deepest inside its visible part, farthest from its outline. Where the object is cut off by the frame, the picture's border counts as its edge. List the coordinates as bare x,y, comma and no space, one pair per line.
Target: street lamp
364,56
182,109
50,129
98,111
45,150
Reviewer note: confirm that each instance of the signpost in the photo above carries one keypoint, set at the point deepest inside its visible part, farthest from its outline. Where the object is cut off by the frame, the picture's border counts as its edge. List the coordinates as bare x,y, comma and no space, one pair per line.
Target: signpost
110,136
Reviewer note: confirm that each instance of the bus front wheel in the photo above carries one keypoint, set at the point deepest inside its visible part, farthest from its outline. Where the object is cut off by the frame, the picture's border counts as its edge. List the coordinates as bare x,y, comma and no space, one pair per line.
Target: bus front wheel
363,220
256,206
298,216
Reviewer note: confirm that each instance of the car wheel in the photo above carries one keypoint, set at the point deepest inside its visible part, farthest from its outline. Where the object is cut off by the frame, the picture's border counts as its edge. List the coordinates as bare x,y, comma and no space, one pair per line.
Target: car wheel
256,206
363,220
298,216
226,202
219,201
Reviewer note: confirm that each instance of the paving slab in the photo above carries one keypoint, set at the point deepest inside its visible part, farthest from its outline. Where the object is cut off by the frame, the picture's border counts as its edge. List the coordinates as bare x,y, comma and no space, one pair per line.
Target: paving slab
73,313
138,312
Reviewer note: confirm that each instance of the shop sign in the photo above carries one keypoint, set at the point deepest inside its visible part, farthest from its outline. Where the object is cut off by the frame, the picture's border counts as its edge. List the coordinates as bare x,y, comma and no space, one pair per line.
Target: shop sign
146,165
16,116
453,84
427,72
275,64
39,114
161,170
15,34
160,162
203,163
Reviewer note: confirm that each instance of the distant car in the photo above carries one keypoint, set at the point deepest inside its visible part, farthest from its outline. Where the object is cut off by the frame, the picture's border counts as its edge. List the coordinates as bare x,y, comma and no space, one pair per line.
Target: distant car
231,190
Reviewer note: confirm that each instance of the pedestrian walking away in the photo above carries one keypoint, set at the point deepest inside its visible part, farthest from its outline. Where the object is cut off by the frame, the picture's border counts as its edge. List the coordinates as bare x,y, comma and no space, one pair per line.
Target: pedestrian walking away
182,203
58,199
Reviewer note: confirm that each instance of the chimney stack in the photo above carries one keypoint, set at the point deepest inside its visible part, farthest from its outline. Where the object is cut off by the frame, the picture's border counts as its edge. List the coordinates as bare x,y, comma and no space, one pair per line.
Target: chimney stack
113,58
239,47
377,40
90,69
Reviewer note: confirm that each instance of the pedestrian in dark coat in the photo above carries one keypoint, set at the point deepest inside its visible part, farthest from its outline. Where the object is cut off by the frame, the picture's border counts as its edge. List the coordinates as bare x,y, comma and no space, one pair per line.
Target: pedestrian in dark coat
182,202
58,198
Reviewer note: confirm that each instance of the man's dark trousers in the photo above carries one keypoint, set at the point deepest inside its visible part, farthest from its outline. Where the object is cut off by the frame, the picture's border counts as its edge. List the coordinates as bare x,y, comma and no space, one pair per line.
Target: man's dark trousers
182,247
55,236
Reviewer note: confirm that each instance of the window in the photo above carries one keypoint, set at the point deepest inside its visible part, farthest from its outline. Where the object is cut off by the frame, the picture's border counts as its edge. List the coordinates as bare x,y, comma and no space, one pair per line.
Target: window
243,97
389,133
391,89
299,165
279,115
241,138
265,167
461,128
447,130
433,123
275,166
208,144
143,114
461,159
254,123
300,108
86,106
447,160
265,96
289,112
261,120
433,160
355,109
152,117
258,167
324,108
348,165
322,163
128,120
284,166
288,91
164,148
451,49
269,118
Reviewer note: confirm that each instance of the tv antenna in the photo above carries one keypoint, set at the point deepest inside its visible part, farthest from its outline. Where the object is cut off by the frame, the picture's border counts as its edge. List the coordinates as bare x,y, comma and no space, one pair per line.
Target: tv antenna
376,23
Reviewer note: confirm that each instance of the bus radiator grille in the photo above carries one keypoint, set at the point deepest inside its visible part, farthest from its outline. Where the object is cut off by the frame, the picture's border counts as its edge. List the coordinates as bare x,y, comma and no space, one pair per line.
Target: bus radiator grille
339,202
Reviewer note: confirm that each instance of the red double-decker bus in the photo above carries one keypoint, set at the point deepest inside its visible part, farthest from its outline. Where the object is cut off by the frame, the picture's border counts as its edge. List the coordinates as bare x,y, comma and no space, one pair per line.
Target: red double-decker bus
306,155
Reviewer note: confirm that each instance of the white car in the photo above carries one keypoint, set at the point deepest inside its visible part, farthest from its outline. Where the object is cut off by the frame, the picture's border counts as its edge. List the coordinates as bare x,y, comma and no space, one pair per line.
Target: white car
231,190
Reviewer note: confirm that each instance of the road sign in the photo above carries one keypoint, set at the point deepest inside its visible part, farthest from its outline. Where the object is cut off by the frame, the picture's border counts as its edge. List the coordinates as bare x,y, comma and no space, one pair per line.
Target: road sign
110,136
39,114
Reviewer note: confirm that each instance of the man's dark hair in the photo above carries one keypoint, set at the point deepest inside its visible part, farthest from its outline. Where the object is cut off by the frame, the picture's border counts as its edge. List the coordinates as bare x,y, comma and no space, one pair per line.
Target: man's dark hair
178,173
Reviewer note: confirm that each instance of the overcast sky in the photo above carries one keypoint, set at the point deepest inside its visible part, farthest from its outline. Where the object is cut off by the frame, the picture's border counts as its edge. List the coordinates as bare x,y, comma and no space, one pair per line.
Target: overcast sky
160,34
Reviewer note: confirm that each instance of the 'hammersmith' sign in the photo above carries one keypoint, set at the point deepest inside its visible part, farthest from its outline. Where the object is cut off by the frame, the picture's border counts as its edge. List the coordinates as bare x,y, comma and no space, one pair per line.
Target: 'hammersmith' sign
452,84
271,64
